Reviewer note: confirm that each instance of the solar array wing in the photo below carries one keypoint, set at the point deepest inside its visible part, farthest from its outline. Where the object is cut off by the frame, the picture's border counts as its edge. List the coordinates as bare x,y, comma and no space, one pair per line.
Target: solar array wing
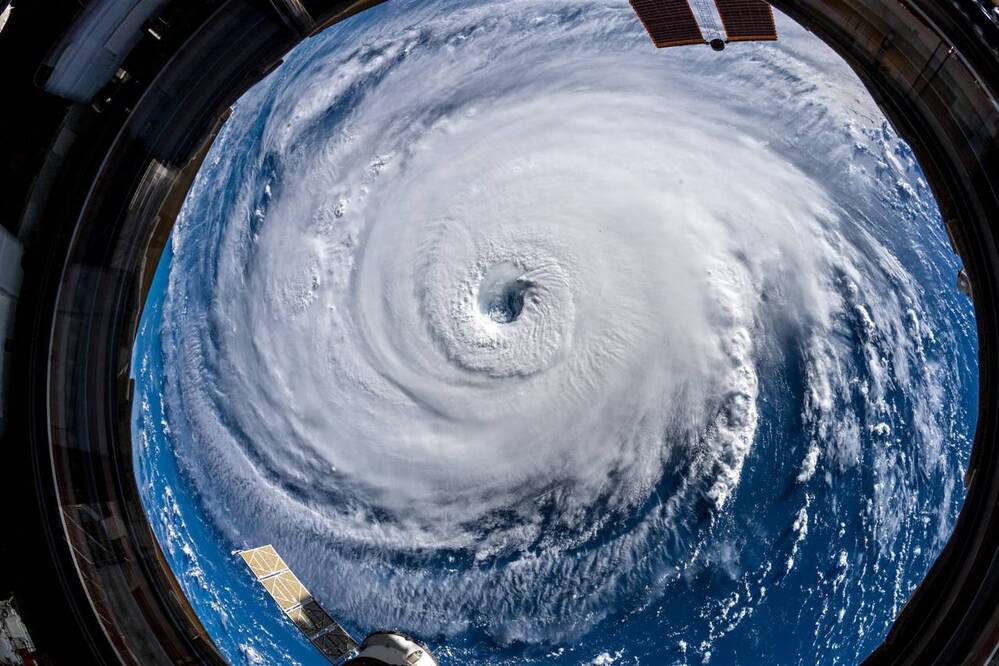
297,603
668,22
335,644
747,20
310,618
263,561
286,589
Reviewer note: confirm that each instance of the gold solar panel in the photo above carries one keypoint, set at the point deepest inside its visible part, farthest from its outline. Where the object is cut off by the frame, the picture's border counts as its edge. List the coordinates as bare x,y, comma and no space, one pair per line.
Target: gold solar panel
263,561
286,589
297,603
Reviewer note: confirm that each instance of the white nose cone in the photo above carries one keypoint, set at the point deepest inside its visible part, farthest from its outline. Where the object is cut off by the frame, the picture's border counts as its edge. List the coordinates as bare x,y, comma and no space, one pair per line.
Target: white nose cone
388,647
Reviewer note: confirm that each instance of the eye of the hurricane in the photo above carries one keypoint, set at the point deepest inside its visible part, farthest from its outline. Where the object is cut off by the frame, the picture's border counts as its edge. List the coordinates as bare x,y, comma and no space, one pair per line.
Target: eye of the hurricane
502,293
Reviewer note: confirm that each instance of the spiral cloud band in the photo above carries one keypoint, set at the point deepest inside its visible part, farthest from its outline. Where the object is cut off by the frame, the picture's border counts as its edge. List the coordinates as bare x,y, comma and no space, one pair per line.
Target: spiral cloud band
480,312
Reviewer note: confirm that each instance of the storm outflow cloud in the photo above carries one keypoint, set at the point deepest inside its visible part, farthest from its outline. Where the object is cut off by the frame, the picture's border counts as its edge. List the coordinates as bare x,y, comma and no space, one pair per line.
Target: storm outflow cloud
473,308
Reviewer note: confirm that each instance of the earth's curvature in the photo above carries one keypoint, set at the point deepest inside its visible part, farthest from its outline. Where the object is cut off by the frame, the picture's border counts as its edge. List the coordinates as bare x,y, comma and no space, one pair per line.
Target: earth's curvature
545,346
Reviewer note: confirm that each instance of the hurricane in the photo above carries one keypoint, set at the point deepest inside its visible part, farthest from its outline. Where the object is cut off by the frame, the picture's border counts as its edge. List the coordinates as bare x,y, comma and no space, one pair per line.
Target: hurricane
510,330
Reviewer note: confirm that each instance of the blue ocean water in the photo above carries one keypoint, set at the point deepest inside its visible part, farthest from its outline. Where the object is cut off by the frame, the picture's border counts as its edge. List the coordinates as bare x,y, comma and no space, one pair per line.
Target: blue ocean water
245,623
797,568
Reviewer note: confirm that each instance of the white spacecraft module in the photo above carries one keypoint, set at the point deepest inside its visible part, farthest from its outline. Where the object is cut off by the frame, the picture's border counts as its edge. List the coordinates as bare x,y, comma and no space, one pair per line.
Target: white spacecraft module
382,648
393,649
